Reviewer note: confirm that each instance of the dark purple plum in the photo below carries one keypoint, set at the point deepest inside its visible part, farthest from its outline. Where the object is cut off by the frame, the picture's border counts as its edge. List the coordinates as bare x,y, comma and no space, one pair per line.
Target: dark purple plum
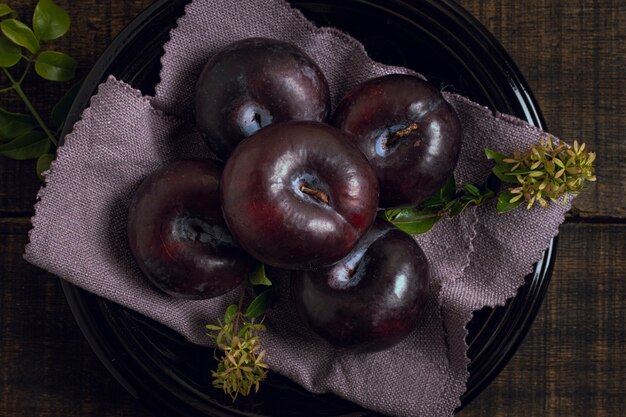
298,195
370,300
178,236
408,132
255,82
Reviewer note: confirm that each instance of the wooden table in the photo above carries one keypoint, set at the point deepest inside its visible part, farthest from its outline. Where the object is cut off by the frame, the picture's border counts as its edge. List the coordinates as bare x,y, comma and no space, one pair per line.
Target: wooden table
572,363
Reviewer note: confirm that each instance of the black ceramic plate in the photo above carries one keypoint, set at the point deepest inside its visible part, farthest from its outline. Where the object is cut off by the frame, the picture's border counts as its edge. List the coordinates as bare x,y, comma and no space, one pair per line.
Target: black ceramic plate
435,37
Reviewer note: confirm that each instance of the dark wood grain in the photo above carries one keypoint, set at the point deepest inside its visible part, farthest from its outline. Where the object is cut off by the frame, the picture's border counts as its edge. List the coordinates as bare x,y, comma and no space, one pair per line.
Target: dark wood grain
571,364
573,55
573,360
94,25
47,369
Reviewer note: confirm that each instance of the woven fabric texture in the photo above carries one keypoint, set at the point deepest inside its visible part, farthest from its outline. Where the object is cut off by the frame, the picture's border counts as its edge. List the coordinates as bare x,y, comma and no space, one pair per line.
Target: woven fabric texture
478,259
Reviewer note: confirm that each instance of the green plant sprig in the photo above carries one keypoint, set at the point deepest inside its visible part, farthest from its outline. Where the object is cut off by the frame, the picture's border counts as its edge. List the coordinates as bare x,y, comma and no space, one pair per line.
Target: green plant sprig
447,202
24,136
241,367
544,172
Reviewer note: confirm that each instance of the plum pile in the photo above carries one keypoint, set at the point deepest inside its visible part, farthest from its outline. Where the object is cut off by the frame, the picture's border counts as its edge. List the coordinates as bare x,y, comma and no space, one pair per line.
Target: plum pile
300,191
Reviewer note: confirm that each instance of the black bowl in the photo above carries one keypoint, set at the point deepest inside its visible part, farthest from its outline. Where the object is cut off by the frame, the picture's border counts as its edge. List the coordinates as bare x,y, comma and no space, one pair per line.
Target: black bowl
435,37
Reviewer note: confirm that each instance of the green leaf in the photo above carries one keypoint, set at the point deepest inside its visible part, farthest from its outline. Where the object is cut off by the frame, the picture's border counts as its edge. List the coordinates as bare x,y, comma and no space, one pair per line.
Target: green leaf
10,53
55,66
50,21
502,169
419,227
414,221
411,214
261,303
448,190
382,214
242,332
445,194
43,164
258,277
62,108
504,205
20,34
6,10
460,206
486,194
503,175
30,145
13,125
496,156
390,214
520,171
434,203
230,313
472,189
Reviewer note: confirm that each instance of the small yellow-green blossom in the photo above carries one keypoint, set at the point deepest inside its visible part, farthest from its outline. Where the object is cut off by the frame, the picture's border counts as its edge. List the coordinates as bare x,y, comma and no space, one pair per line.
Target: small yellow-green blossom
241,366
550,172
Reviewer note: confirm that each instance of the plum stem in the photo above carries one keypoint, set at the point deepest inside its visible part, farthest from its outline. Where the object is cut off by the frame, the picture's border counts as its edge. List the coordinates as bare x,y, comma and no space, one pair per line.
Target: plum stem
319,195
257,119
401,134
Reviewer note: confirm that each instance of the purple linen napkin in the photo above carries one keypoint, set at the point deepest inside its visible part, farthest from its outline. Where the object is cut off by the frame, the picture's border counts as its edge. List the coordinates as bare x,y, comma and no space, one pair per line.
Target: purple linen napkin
478,259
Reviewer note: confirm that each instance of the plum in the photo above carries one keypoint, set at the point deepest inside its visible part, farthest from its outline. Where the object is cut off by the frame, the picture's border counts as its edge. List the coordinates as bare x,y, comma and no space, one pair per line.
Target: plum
298,195
178,236
370,300
408,132
255,82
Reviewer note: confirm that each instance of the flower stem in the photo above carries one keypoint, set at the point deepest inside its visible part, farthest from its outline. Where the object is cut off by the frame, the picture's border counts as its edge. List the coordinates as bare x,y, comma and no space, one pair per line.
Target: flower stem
24,73
239,307
18,89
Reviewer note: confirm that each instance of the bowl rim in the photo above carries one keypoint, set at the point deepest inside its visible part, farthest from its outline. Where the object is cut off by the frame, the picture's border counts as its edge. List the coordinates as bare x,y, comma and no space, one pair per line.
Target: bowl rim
514,326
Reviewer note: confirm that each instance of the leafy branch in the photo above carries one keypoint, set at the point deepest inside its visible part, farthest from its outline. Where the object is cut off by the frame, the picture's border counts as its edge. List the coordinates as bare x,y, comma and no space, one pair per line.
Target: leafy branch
544,172
25,136
241,367
447,202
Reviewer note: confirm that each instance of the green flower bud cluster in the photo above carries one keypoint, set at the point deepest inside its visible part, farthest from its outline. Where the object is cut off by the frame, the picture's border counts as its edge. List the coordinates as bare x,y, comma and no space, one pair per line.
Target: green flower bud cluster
241,366
544,172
